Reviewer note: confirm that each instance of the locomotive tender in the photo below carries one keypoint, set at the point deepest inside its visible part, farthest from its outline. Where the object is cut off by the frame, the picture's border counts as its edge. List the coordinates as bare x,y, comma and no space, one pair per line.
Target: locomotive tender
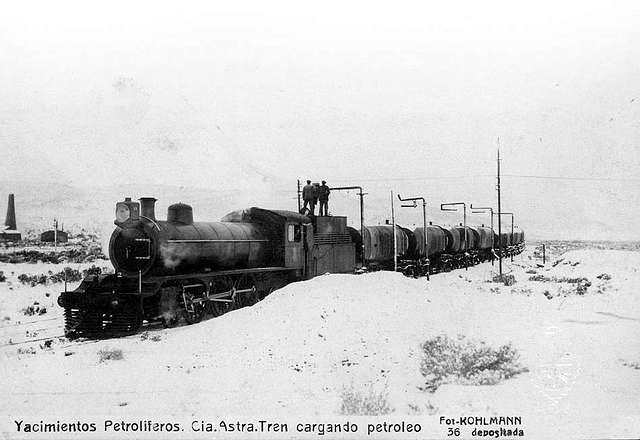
176,268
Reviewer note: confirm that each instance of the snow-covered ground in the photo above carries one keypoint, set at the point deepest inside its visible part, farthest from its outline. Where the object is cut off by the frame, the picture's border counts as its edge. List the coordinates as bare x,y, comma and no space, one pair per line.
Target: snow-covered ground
295,352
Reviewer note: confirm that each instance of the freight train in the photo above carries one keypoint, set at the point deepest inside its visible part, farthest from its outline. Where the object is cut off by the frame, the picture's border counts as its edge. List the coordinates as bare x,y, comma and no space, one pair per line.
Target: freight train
174,269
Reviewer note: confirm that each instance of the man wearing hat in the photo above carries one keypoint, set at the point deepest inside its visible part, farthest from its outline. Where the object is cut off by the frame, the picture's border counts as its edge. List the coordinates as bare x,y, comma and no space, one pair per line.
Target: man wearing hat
323,197
308,194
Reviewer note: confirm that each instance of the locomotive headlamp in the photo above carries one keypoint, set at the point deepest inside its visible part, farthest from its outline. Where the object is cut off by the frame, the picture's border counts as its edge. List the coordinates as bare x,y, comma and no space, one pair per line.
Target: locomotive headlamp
127,211
122,212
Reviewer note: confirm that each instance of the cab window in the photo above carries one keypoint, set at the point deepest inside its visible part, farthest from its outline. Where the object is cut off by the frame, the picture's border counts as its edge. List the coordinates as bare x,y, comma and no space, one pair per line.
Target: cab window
294,233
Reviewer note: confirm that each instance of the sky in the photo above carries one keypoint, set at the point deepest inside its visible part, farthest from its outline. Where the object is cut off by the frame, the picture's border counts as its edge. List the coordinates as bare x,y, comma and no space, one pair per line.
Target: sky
403,96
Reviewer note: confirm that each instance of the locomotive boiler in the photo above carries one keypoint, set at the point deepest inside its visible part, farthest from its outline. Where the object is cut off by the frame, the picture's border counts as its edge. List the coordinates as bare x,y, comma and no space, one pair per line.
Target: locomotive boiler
142,245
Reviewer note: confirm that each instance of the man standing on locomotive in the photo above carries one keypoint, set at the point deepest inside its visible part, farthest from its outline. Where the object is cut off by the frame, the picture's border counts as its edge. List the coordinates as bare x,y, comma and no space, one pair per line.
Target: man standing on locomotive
308,194
316,192
323,195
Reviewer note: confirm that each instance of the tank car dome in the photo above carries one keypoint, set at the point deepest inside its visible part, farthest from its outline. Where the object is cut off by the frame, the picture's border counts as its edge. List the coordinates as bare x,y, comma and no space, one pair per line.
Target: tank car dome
180,213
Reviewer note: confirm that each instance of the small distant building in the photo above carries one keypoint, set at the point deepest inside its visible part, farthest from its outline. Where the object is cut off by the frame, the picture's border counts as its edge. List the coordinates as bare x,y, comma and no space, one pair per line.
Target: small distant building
10,231
57,236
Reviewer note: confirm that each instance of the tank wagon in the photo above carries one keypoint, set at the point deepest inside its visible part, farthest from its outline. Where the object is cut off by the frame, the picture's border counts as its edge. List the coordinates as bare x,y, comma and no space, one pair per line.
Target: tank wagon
379,245
447,248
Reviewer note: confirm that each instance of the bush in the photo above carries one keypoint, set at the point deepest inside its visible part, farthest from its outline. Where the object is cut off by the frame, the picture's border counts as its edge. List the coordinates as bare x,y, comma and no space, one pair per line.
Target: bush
539,277
602,276
632,364
93,270
507,279
67,273
85,253
576,280
34,309
371,403
582,283
71,275
3,278
459,361
32,280
581,288
106,354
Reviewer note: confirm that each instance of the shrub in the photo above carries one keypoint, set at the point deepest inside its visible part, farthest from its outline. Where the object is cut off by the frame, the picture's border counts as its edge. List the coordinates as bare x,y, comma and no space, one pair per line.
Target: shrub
71,275
32,280
67,273
602,276
93,270
632,364
3,278
539,277
106,354
575,280
371,403
448,360
85,253
581,288
34,309
507,279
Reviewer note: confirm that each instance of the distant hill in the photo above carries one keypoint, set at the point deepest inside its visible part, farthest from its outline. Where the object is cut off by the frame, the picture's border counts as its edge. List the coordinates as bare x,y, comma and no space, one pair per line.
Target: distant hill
92,207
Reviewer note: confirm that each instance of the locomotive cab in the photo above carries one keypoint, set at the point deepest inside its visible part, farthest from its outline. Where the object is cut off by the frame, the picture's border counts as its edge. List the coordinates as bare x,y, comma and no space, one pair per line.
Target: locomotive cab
294,246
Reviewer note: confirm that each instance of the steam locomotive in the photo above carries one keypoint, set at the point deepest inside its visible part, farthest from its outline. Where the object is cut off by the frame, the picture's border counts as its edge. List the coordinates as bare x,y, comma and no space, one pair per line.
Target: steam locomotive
173,269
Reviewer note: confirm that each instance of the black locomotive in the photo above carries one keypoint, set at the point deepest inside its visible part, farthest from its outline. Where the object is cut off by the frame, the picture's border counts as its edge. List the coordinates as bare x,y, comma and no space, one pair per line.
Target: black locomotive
166,270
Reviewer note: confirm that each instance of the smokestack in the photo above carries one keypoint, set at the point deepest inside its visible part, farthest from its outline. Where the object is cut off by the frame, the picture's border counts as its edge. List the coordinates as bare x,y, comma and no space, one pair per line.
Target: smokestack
147,207
10,222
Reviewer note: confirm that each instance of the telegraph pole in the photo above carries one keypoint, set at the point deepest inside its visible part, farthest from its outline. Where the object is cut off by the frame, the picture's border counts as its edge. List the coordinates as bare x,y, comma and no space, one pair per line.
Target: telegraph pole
464,217
55,233
395,242
424,220
479,210
361,193
512,219
299,206
499,214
